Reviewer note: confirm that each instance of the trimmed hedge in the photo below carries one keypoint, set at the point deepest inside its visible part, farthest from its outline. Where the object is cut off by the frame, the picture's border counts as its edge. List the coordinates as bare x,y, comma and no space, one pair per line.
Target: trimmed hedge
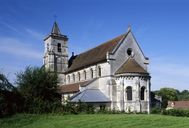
176,112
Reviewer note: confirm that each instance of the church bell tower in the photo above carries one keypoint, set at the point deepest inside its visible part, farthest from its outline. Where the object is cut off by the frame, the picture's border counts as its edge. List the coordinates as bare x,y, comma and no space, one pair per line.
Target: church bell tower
56,52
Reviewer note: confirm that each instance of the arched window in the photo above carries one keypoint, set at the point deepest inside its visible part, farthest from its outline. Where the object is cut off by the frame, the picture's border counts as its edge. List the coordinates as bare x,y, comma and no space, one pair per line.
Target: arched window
73,77
99,71
85,75
59,47
91,73
68,78
142,92
129,93
79,77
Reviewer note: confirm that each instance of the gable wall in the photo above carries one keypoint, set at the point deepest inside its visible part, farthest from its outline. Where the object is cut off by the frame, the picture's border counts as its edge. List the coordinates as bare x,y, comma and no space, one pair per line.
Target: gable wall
120,56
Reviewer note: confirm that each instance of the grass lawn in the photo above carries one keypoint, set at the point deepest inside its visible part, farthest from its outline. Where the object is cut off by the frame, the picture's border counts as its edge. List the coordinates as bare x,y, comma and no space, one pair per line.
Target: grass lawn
94,121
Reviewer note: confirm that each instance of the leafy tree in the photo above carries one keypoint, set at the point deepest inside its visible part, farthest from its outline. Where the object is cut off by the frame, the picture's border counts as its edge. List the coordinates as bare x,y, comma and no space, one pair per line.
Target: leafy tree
183,95
5,84
10,100
39,88
167,94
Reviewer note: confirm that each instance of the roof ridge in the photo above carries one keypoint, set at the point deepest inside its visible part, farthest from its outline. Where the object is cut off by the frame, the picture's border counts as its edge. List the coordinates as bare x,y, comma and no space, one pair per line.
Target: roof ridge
124,36
94,55
102,44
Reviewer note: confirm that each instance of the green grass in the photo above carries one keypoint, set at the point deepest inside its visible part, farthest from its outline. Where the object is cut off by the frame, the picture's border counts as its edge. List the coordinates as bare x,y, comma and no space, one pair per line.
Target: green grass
94,121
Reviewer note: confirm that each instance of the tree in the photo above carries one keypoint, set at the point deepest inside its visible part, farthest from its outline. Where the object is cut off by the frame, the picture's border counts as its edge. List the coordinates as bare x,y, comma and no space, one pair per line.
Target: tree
183,95
10,100
39,88
167,94
5,84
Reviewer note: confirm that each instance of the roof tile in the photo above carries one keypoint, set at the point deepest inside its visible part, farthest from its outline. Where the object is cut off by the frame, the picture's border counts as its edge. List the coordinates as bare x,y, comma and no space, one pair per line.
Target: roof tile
178,104
71,88
131,66
95,55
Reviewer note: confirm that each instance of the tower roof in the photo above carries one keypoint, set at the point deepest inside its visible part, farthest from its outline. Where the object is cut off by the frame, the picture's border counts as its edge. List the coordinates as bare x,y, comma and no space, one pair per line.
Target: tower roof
55,29
55,33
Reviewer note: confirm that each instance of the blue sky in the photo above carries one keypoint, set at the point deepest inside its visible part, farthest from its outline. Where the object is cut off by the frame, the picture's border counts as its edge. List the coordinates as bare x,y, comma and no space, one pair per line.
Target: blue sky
161,28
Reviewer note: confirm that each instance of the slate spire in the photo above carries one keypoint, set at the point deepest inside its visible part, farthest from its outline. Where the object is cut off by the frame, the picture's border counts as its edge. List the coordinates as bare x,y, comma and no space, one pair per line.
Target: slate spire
55,29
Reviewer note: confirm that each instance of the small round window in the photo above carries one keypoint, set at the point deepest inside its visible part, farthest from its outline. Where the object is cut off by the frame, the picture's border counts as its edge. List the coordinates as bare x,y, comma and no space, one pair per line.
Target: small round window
129,51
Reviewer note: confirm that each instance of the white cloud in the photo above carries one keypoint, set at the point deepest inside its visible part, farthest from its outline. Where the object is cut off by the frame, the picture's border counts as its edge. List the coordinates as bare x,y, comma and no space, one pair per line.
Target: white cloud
35,34
18,48
12,28
169,73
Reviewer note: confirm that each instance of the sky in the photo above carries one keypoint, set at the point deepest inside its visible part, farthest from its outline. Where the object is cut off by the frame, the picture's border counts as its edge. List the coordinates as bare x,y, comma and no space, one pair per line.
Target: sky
161,28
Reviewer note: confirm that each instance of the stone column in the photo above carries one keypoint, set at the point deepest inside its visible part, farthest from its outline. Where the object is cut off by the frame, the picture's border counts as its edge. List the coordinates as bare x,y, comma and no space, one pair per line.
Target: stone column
122,93
110,94
148,95
137,94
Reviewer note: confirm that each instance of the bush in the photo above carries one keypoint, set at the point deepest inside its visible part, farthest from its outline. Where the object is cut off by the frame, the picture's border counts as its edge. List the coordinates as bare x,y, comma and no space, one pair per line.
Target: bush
90,109
176,112
70,108
155,110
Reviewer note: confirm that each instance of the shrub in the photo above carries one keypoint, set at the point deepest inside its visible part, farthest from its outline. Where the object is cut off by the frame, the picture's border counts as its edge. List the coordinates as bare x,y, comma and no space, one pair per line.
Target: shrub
176,112
155,110
90,109
81,107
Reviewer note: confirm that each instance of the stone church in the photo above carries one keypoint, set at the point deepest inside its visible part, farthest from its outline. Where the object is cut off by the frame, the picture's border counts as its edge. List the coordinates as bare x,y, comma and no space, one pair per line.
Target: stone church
114,73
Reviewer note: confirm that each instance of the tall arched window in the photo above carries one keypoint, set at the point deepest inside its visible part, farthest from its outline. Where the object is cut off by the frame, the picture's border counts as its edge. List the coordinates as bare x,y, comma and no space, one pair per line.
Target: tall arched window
59,47
91,73
129,93
68,78
142,92
99,71
73,77
79,77
85,75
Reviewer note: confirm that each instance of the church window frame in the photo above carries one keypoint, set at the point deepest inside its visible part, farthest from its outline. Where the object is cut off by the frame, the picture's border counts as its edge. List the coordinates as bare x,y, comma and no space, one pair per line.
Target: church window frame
99,71
79,76
130,52
68,78
142,93
73,77
85,75
91,71
59,49
129,93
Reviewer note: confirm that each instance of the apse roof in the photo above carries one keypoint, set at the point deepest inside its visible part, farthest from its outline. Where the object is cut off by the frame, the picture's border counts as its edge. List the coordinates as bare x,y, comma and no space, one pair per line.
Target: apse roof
131,66
90,96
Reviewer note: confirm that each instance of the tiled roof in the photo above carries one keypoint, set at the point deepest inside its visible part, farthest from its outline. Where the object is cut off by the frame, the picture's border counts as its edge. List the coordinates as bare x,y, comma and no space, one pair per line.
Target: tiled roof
131,66
178,104
95,55
90,96
72,88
